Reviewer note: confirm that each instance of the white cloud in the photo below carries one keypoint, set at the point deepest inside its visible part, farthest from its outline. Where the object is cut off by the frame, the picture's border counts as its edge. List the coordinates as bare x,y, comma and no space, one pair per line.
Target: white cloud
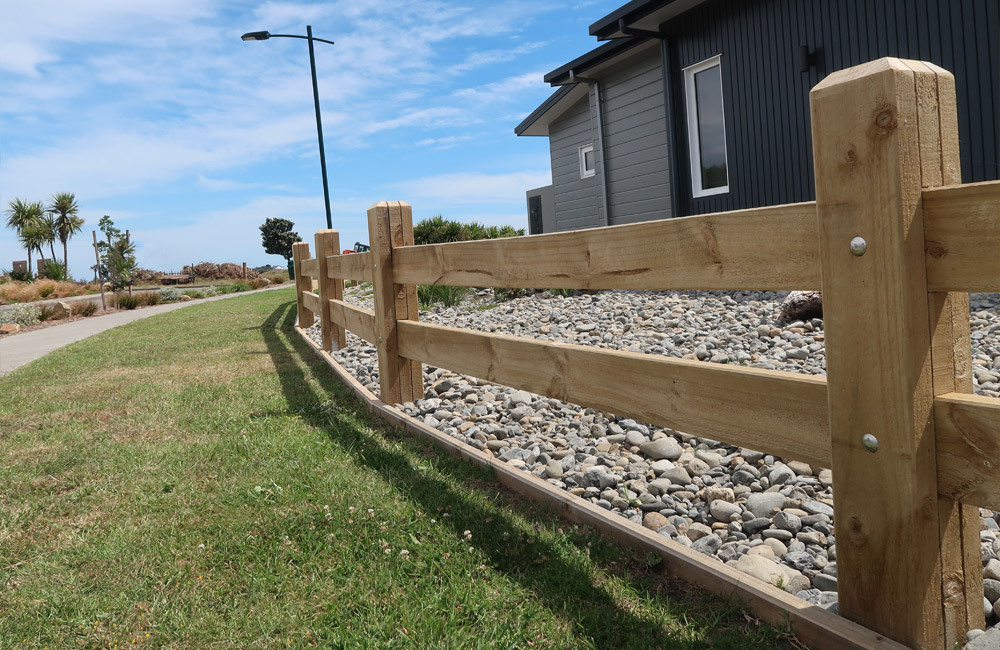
473,187
221,184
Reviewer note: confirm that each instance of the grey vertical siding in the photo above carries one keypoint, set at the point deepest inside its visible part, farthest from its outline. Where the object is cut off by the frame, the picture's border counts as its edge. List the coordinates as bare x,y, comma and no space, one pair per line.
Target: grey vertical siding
635,138
767,97
577,200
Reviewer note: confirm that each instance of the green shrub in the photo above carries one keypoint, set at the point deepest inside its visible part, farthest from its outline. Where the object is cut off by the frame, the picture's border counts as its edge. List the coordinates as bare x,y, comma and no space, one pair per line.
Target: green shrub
126,301
431,294
18,276
55,271
193,293
22,315
149,298
438,230
46,291
170,295
45,313
84,308
234,288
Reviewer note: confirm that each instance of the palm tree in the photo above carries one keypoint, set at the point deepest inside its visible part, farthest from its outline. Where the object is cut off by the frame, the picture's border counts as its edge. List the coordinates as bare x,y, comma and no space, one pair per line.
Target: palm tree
64,206
33,236
22,216
48,224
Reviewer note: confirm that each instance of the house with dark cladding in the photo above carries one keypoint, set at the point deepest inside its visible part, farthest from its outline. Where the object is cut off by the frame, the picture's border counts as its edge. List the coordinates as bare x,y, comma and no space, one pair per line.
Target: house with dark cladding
696,106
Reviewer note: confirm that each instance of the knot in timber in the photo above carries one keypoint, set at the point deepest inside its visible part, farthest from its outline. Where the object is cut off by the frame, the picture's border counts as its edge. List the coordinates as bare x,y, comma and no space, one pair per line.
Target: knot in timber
884,122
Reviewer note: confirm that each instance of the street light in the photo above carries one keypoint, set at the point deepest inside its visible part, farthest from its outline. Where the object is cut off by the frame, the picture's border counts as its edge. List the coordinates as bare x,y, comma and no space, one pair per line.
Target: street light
263,36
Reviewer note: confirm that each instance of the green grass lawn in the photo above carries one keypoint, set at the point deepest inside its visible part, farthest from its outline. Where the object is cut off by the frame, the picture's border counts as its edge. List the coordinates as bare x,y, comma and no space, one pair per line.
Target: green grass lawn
198,480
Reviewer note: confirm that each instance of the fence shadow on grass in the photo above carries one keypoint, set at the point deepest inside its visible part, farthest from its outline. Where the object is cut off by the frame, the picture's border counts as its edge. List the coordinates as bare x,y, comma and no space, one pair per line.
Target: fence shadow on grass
564,587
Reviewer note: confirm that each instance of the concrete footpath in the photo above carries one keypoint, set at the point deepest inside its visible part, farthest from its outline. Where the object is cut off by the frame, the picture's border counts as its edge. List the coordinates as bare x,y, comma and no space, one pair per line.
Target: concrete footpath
19,349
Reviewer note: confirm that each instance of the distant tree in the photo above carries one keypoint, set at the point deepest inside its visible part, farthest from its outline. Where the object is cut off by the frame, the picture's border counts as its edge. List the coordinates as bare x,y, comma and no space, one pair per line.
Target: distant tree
48,224
277,237
33,237
64,207
121,264
21,216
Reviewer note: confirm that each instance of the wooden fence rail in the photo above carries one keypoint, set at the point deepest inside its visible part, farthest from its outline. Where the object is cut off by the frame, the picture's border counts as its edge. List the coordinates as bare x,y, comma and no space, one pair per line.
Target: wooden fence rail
894,241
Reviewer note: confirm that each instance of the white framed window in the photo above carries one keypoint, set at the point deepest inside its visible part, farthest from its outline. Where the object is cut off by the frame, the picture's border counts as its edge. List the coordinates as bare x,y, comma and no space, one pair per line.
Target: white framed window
706,123
586,161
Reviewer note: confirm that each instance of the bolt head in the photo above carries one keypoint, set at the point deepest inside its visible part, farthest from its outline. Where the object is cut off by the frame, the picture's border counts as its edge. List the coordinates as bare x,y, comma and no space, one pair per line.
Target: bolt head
858,246
869,442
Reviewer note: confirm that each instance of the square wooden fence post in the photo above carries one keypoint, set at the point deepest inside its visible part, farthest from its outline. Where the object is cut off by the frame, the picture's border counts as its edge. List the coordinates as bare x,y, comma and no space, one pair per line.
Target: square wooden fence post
882,131
327,244
390,224
303,282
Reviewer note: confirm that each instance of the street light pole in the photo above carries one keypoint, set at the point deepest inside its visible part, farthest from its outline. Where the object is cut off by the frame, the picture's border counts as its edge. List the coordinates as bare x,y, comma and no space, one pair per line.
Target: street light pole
263,36
319,128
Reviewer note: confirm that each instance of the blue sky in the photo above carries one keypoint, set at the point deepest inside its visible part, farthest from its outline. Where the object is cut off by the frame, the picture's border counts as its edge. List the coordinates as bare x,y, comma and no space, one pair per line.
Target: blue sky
156,113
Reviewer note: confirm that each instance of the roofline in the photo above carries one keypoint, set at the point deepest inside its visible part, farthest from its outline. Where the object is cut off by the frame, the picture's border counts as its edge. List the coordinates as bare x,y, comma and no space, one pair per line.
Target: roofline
630,12
544,108
592,58
648,15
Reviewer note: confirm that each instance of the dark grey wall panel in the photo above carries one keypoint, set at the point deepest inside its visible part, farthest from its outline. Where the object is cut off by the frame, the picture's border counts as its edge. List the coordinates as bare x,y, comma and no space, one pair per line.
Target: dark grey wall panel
635,138
577,201
767,97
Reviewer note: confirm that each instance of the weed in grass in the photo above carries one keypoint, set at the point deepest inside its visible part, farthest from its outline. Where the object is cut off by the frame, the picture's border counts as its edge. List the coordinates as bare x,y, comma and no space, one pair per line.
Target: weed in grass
234,288
429,295
503,294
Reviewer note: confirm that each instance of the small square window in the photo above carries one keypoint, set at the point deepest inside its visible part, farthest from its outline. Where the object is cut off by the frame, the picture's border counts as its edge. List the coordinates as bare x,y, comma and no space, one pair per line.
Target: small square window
586,161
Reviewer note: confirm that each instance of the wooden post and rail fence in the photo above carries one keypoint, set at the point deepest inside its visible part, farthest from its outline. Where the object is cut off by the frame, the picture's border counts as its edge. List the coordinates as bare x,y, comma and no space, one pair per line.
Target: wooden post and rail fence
894,241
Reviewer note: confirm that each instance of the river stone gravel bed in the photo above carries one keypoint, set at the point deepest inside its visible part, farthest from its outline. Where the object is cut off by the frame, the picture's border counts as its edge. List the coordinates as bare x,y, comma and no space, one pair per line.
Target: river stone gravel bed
770,518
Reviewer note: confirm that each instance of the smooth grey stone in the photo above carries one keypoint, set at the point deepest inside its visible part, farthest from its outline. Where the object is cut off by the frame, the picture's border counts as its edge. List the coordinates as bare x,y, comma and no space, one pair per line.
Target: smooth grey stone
819,539
634,438
520,397
787,521
667,448
817,508
989,640
762,504
756,525
743,477
824,582
774,533
708,544
991,589
781,475
677,476
723,510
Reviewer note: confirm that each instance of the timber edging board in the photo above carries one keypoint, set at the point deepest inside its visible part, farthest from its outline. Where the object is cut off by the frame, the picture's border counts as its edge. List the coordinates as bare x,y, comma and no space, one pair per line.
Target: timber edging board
813,625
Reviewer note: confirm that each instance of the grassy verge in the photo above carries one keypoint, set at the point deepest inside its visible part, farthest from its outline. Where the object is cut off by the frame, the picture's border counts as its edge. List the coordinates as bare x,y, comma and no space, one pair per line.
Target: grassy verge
196,480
